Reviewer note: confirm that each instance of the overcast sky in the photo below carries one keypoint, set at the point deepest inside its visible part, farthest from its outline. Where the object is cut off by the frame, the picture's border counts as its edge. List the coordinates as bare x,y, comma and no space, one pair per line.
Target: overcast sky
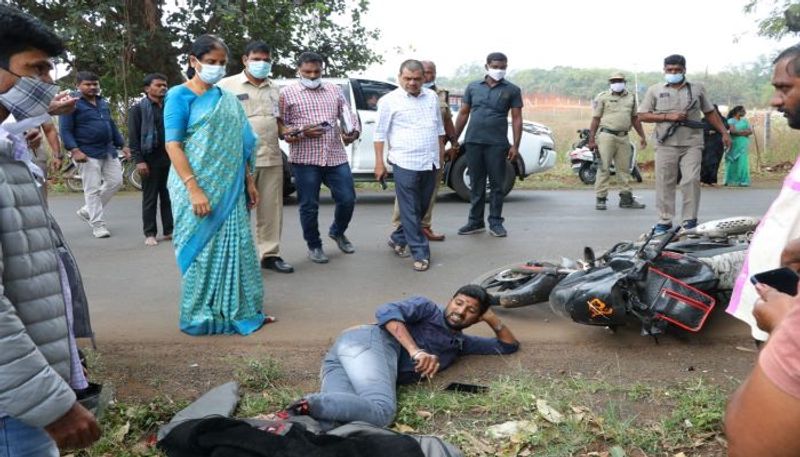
627,34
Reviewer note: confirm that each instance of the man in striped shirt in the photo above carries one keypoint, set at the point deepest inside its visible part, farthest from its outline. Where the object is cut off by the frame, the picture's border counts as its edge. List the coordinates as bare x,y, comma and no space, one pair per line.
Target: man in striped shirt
309,114
410,122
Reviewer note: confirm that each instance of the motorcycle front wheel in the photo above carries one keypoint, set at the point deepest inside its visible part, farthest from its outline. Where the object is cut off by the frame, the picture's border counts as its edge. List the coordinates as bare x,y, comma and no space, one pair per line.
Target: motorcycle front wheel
587,173
514,288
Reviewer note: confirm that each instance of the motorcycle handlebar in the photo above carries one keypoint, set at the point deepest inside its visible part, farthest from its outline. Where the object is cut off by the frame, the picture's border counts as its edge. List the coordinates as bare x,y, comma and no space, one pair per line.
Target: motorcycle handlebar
669,236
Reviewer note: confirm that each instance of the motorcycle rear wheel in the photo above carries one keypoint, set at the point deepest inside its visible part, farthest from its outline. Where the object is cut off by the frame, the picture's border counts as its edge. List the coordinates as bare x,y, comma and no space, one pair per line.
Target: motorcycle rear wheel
517,289
74,184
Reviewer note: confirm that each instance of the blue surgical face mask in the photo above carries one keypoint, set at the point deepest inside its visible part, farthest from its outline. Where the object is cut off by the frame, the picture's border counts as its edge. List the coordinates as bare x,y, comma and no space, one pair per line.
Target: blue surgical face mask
429,85
259,69
673,78
211,74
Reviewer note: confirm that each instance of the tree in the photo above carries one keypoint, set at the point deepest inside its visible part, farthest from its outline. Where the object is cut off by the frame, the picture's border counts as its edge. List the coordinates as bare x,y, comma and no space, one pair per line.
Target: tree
122,40
782,19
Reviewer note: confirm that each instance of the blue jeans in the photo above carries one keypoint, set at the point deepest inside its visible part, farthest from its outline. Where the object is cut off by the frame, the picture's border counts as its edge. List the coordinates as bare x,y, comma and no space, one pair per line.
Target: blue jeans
414,190
339,179
359,377
483,160
21,440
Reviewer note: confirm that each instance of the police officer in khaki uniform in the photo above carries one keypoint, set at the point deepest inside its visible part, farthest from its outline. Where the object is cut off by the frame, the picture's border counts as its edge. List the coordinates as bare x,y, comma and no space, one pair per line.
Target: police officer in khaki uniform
614,112
259,97
429,75
677,108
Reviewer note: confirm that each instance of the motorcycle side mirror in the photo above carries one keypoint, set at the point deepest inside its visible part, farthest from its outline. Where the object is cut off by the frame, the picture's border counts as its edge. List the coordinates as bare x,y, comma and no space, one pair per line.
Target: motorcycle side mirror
588,255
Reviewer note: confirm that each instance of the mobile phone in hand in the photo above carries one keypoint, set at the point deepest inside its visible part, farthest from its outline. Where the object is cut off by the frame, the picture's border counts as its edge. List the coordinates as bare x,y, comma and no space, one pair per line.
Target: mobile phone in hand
781,279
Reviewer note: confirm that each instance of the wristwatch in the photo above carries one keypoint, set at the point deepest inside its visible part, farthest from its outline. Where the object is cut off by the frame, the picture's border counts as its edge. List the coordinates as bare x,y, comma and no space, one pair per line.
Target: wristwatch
498,327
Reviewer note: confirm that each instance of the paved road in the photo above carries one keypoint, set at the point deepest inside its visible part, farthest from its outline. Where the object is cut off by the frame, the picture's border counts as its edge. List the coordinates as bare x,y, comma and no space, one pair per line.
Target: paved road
134,289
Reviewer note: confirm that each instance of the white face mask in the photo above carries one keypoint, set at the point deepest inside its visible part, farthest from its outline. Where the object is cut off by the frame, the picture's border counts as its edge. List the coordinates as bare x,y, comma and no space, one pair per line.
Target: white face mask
211,74
617,87
496,73
429,85
310,83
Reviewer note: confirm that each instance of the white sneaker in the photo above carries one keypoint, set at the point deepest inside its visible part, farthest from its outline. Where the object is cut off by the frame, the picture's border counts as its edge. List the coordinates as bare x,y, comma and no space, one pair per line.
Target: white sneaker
101,232
150,241
83,214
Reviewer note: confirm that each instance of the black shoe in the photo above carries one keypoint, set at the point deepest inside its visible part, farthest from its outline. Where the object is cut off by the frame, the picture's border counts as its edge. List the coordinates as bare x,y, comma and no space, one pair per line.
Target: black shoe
471,229
601,204
627,200
498,231
277,264
344,244
317,255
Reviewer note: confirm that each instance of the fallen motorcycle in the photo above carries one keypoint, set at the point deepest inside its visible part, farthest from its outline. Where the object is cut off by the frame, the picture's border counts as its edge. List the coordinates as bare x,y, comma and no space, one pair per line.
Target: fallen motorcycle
670,280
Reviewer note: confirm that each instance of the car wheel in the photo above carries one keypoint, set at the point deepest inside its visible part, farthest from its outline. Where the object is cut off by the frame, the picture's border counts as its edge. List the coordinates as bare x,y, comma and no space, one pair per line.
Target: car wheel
460,180
587,173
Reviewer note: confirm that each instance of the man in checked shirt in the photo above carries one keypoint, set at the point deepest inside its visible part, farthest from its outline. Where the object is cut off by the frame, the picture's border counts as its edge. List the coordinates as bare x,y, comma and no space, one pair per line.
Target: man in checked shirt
410,122
309,115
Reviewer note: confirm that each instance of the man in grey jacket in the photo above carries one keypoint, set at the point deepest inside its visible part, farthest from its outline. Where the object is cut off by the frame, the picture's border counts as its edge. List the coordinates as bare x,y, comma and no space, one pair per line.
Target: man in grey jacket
38,408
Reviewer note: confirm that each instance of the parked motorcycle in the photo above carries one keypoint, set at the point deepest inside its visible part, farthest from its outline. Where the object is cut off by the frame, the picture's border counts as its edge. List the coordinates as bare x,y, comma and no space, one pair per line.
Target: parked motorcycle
670,280
71,175
585,162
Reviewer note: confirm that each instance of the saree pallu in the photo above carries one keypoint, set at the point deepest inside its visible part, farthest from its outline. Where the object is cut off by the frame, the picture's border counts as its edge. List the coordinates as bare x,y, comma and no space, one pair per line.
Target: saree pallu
221,290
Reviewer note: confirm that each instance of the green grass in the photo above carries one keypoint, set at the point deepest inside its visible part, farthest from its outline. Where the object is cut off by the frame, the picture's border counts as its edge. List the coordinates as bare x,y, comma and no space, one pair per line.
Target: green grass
598,415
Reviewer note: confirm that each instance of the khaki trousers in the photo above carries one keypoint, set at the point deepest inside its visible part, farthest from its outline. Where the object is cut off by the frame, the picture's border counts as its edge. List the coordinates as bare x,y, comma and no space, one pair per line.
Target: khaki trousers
426,219
670,159
269,213
617,149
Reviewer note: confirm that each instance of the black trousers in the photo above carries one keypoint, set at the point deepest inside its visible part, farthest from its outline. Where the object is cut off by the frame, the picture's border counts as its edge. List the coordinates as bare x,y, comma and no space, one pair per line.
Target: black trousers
155,194
712,155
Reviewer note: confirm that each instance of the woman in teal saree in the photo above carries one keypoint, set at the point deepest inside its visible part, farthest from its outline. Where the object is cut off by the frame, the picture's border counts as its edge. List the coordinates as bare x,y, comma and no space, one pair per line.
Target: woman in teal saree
737,165
211,145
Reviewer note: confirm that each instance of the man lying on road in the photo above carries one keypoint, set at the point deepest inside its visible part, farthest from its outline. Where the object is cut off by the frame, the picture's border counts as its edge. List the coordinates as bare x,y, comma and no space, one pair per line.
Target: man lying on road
412,339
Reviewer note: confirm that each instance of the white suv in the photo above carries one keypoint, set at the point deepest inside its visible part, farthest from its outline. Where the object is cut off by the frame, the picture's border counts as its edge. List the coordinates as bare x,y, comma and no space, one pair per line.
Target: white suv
537,149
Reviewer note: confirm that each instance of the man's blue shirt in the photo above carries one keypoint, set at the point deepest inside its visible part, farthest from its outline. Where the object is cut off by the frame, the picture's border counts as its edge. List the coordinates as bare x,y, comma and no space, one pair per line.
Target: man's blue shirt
426,322
489,107
91,129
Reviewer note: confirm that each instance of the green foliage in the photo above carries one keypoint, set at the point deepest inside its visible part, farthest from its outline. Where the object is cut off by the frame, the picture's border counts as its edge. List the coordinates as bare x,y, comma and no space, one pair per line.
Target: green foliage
122,40
747,84
781,19
259,374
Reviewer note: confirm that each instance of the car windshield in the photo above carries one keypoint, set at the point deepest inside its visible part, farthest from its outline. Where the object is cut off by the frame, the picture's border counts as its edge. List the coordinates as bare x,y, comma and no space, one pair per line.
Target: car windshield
372,91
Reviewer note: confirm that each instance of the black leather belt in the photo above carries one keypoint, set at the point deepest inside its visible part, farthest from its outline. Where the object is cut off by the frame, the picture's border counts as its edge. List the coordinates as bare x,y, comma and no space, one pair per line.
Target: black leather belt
614,132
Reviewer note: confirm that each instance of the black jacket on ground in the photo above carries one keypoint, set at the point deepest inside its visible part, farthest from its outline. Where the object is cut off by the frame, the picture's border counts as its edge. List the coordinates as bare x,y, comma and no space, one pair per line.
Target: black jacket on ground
223,437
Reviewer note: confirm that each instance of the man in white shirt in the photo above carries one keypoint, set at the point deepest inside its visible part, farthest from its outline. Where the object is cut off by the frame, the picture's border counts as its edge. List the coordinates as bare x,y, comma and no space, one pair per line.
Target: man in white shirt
410,122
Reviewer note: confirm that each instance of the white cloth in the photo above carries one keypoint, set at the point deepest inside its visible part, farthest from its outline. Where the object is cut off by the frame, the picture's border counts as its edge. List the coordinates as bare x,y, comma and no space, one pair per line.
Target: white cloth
411,127
780,225
102,178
